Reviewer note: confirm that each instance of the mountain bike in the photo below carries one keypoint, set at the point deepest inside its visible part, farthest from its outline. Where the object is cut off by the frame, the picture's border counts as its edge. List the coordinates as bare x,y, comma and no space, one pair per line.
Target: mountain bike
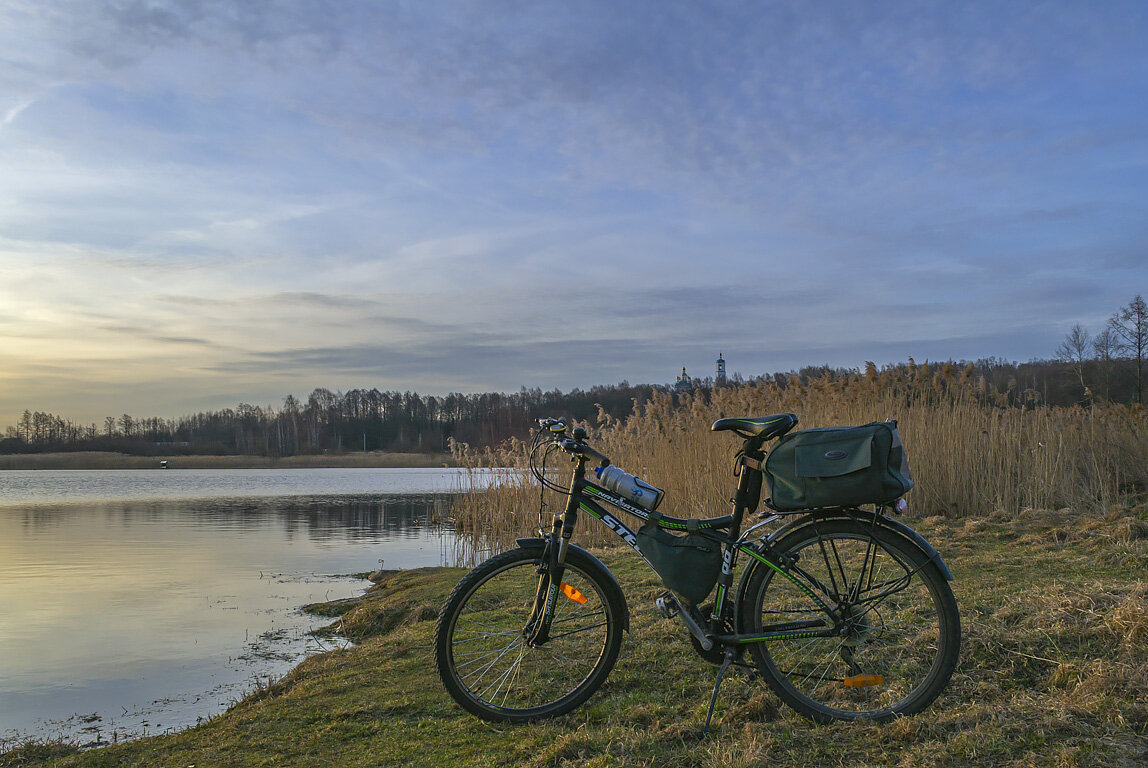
845,611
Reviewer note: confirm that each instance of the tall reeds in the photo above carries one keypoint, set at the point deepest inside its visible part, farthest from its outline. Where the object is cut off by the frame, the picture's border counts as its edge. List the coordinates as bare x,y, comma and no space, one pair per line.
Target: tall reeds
972,451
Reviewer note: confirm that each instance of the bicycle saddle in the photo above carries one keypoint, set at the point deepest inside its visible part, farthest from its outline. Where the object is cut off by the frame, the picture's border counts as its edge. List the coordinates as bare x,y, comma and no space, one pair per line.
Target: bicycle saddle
765,427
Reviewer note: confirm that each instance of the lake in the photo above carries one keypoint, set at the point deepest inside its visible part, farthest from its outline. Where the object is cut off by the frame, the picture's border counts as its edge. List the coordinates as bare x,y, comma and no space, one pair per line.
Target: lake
140,601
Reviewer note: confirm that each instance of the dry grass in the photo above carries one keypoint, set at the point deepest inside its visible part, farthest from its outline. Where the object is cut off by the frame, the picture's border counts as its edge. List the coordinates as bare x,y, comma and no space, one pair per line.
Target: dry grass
970,456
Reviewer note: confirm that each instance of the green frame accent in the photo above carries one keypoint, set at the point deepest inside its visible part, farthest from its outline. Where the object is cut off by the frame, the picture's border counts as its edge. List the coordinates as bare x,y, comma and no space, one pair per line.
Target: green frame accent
622,504
778,569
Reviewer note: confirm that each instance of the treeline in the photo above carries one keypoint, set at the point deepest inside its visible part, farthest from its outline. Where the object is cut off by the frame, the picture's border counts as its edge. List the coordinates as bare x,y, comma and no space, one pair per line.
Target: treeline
357,420
373,420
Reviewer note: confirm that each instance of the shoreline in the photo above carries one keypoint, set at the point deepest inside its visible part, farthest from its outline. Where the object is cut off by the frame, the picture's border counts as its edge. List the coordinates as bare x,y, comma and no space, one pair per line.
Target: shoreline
1054,638
112,460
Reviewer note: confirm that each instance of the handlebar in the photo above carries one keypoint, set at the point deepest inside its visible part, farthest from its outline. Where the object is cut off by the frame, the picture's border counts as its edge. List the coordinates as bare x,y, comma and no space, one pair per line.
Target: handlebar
581,449
574,445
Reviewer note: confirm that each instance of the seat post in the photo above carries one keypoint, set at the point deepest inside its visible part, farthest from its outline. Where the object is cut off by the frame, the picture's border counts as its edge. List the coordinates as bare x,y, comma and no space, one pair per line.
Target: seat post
748,494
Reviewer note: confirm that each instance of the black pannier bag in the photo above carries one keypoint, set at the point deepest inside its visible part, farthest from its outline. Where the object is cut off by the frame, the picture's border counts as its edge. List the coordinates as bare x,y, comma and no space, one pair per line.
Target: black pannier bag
837,467
689,565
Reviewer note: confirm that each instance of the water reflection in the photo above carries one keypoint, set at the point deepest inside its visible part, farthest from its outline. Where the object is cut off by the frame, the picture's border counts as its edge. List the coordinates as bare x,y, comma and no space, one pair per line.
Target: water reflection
321,519
140,616
24,488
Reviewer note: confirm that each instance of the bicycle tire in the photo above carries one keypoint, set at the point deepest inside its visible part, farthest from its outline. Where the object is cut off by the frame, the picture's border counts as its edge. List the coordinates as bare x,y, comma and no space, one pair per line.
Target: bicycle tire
481,652
898,614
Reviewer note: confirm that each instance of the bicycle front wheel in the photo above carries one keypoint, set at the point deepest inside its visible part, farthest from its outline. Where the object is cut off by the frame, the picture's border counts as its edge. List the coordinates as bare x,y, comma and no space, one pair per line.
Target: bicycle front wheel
481,641
895,627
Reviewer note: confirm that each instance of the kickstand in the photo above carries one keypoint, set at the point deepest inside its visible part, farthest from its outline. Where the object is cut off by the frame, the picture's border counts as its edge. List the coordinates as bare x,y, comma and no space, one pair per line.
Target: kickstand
729,656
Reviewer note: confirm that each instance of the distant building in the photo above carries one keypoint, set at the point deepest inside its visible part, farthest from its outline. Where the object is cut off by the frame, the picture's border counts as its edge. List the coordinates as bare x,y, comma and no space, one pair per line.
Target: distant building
684,382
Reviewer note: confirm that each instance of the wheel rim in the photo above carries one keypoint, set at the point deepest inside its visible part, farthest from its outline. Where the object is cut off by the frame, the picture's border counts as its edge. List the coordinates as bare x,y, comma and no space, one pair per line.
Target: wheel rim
888,621
491,659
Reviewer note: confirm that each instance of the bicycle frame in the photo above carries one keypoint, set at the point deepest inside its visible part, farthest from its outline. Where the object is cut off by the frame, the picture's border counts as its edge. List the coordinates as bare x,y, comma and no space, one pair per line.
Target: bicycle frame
588,497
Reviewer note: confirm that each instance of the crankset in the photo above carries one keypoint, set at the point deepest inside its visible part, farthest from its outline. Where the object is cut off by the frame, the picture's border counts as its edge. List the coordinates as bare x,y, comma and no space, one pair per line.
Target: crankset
716,654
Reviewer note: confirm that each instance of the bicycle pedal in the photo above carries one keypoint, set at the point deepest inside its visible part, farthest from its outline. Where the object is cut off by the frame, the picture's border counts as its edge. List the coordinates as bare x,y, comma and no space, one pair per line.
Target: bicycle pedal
667,605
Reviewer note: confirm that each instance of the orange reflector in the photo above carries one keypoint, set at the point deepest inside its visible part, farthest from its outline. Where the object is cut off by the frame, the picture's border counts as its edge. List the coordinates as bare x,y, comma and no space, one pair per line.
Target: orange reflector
863,681
572,593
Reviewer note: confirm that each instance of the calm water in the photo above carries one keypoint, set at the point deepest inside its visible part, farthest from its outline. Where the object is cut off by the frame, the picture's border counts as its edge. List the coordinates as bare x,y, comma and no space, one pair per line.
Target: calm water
136,602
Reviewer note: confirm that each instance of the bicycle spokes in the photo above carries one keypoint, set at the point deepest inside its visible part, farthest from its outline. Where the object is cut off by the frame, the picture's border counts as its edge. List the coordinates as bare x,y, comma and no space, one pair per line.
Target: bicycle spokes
890,631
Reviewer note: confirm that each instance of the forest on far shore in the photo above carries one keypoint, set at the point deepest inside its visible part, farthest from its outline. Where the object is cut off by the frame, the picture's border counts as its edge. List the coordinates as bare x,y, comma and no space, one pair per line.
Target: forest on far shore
374,420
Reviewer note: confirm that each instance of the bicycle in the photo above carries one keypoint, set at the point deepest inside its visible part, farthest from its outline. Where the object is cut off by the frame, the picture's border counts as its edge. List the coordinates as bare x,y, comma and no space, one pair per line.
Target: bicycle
845,612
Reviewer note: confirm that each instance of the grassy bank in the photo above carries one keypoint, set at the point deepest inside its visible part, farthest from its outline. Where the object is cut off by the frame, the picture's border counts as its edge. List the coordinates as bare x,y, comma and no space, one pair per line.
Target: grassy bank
1053,672
107,460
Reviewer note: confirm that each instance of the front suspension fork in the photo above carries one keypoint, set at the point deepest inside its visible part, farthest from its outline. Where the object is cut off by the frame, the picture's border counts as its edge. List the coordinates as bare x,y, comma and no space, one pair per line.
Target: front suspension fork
550,572
553,565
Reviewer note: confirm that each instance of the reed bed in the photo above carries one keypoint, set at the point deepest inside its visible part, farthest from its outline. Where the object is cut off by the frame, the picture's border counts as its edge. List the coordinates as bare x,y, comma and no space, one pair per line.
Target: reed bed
972,453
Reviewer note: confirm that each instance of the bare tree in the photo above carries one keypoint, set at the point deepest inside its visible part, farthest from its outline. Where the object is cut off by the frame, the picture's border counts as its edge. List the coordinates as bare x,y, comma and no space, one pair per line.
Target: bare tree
1130,326
1075,350
1105,350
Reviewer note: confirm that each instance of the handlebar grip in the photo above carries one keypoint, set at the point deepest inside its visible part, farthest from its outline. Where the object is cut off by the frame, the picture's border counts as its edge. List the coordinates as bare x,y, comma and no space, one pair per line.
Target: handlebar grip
588,451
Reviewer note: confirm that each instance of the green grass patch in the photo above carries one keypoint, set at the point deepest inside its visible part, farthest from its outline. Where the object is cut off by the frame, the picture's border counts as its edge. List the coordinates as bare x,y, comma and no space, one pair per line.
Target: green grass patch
1053,672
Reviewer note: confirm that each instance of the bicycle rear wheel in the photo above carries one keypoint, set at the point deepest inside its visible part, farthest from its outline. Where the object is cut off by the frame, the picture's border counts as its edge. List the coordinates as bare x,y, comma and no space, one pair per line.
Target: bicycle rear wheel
481,641
896,627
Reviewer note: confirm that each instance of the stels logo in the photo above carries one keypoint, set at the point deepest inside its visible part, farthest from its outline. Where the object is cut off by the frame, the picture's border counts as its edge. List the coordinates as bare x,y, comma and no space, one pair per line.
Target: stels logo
625,533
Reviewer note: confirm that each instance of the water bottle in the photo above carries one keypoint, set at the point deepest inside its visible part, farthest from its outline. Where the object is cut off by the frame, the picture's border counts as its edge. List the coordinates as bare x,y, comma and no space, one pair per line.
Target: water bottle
629,487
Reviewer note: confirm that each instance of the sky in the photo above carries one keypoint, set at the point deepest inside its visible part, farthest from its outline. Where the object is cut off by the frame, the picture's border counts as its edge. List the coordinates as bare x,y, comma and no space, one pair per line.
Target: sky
204,203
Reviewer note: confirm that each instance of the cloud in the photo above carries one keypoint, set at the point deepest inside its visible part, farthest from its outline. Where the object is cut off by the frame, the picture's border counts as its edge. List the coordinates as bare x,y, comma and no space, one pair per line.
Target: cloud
651,88
228,198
